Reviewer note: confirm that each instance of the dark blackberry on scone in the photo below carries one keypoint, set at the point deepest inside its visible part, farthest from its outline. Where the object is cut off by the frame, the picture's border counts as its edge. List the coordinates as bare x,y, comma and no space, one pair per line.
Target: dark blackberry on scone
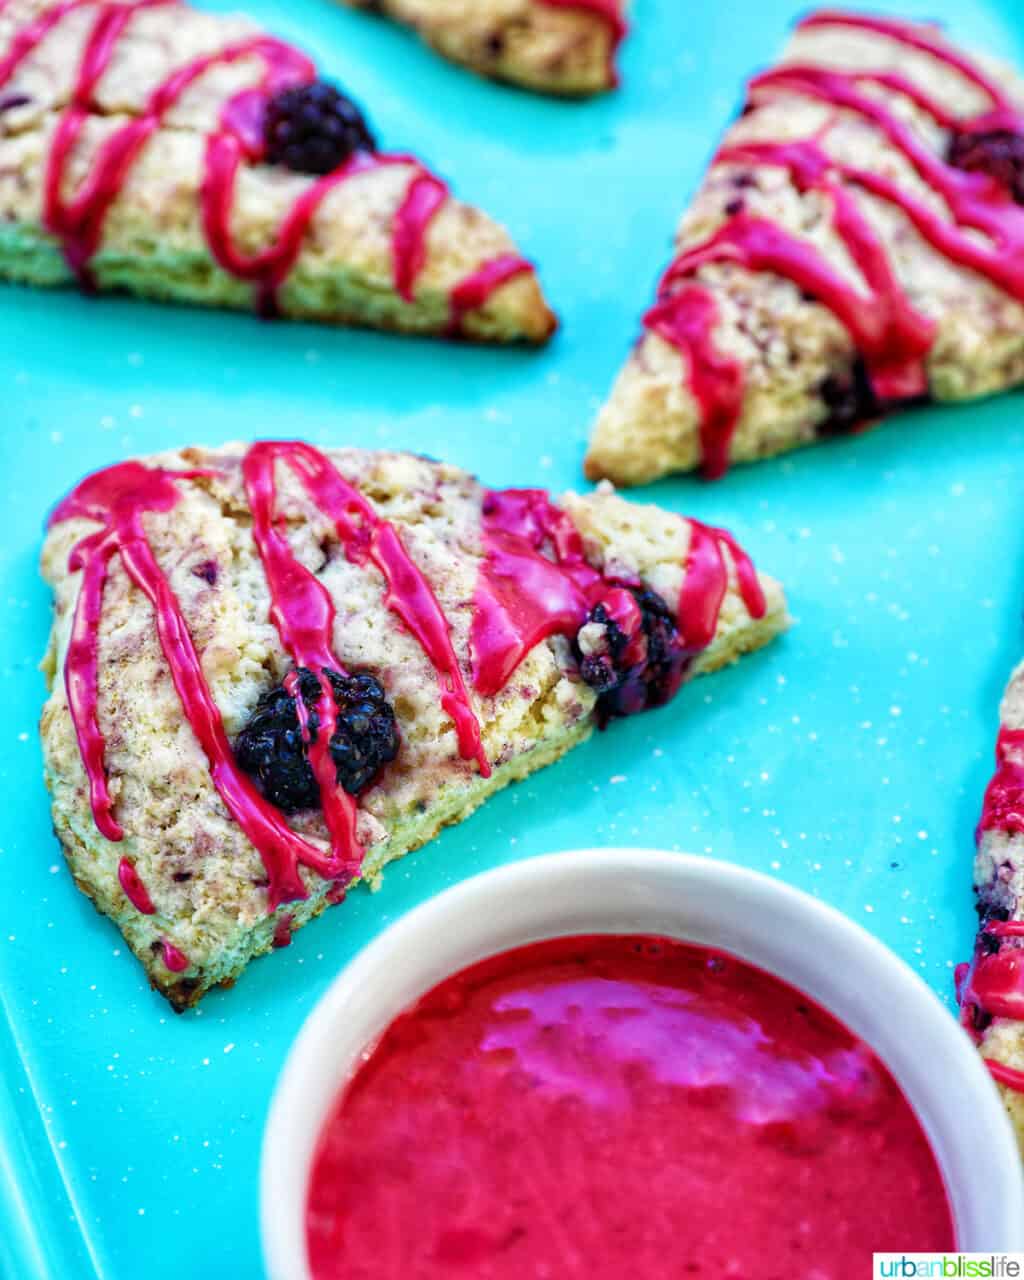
314,128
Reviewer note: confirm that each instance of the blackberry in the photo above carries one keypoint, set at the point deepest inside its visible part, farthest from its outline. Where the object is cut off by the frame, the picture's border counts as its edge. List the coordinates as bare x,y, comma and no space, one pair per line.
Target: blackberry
270,746
997,152
635,669
850,400
313,128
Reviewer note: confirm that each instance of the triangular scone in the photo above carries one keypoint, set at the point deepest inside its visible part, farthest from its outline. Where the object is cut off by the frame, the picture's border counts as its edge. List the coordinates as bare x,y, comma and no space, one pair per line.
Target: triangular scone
553,46
856,245
473,636
991,987
184,156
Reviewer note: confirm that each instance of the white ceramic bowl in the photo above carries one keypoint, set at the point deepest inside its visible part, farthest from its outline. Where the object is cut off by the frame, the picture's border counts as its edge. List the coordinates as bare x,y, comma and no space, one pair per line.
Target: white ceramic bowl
778,928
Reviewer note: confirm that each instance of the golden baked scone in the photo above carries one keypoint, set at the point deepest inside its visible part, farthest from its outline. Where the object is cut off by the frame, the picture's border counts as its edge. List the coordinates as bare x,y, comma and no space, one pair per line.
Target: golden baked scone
856,245
991,988
189,157
564,47
215,607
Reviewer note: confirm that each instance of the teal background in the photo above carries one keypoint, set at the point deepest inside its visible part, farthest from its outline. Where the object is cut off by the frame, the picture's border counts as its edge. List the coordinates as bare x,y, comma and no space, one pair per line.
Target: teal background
849,759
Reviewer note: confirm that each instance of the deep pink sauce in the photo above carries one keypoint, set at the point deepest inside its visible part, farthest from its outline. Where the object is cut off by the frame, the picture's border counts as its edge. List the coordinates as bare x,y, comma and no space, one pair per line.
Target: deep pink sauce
78,222
619,1106
892,337
610,11
536,583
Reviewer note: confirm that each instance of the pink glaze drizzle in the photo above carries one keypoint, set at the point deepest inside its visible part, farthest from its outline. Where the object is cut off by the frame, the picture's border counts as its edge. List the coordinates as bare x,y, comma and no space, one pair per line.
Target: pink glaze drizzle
1008,1076
306,619
536,582
477,287
1003,806
134,888
117,499
893,338
175,960
78,223
686,319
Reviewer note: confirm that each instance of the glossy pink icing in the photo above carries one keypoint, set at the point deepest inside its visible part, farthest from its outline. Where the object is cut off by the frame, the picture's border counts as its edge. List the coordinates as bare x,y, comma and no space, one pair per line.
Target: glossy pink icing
1003,806
117,499
536,583
890,334
308,616
174,960
597,1106
78,222
134,889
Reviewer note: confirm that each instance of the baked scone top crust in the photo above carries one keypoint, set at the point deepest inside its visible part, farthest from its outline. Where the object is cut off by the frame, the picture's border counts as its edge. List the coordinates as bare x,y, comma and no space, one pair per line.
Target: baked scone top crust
133,120
857,243
563,47
501,625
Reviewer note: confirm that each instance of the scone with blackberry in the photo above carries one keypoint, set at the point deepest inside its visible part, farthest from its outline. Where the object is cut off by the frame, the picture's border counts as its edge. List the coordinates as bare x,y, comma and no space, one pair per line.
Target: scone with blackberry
274,669
856,246
991,988
564,47
186,156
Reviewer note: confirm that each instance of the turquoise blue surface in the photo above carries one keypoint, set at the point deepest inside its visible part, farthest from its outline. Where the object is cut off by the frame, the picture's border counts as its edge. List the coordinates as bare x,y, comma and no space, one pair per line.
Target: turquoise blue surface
849,759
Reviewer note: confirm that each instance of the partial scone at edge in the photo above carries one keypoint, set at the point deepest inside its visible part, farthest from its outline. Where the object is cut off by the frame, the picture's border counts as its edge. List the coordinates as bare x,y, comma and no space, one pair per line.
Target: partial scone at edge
999,886
194,217
803,373
205,879
564,51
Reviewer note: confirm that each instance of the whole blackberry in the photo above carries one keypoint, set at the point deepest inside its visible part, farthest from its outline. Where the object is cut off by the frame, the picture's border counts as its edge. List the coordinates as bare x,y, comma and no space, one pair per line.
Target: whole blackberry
313,128
631,670
997,152
271,749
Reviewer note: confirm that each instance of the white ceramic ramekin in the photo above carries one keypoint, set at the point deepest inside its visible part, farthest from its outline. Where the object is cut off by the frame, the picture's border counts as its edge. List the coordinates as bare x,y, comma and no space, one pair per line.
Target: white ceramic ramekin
784,931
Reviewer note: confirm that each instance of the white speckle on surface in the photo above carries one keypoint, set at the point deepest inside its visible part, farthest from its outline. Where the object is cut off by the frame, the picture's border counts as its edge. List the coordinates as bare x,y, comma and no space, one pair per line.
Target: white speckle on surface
616,778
